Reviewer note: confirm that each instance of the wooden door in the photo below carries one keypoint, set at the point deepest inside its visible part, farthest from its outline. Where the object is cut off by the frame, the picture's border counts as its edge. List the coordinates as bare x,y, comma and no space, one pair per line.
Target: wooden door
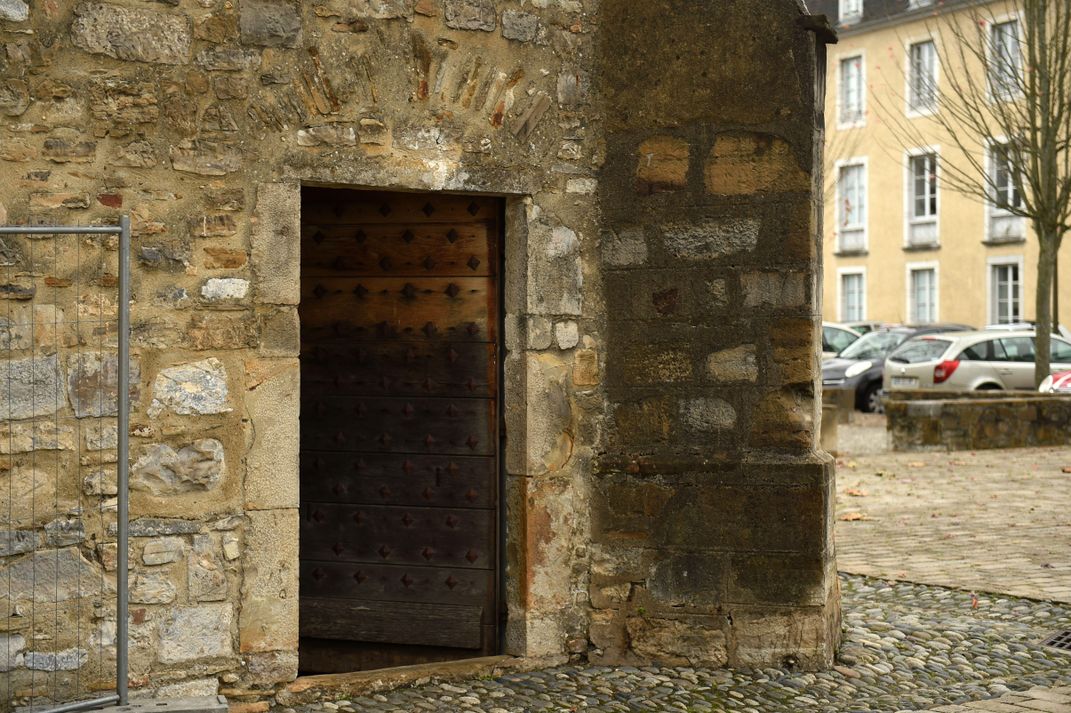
399,428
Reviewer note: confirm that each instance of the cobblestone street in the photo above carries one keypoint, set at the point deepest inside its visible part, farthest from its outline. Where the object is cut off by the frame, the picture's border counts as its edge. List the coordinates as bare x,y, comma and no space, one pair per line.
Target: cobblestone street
985,521
983,546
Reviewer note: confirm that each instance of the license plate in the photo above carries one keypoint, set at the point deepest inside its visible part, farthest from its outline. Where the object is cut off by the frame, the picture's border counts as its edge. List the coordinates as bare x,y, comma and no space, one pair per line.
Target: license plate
905,381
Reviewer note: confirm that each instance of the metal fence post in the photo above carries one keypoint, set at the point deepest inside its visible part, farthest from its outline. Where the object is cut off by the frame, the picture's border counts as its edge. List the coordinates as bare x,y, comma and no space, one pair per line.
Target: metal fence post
122,624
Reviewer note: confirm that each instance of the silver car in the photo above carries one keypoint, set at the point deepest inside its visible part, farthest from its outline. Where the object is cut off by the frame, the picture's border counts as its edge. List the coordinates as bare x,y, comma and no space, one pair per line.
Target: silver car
970,361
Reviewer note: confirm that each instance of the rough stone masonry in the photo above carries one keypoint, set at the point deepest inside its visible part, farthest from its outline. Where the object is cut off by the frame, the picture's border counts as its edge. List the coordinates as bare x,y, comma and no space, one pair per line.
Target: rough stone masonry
666,500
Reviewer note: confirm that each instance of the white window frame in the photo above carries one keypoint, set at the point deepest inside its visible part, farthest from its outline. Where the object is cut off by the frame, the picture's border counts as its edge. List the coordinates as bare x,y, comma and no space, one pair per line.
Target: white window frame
992,210
849,17
911,111
990,88
913,267
993,262
864,162
860,121
909,197
841,273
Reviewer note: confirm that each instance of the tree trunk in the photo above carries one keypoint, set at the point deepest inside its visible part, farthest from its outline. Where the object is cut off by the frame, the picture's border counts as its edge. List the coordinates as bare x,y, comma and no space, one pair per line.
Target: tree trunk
1056,291
1043,306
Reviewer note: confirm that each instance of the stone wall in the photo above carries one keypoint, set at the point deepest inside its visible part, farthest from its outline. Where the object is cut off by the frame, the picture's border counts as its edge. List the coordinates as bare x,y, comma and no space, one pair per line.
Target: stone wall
705,520
974,422
712,538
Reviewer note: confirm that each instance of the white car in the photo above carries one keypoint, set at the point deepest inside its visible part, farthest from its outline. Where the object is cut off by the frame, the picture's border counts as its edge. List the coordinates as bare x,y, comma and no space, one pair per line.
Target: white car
970,361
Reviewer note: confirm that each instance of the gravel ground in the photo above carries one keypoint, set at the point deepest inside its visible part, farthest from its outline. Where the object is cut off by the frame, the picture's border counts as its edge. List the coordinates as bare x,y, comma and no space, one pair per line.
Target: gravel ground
907,647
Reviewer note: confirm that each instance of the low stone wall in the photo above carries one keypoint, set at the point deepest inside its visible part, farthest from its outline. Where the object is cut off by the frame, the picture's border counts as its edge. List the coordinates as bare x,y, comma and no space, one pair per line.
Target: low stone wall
1005,420
933,395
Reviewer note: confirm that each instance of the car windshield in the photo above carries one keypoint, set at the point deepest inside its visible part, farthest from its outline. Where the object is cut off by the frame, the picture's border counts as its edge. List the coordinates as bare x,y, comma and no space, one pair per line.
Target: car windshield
919,350
874,345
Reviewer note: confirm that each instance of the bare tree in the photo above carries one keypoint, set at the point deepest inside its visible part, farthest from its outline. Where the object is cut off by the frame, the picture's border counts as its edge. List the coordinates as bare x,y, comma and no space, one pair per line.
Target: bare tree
1003,101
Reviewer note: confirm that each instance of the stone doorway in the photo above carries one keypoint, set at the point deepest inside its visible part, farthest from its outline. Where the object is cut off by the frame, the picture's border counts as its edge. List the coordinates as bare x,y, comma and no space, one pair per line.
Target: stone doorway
400,428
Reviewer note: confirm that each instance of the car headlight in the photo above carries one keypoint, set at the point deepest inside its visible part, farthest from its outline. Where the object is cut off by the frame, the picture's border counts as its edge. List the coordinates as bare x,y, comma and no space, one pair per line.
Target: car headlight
857,368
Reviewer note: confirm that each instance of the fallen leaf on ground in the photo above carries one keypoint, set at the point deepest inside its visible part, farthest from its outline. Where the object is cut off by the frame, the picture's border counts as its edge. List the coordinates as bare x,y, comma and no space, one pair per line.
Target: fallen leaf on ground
884,473
852,516
856,492
916,464
1066,469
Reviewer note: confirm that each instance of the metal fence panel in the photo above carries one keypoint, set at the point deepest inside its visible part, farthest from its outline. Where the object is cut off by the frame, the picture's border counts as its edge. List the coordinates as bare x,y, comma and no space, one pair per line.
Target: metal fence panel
64,362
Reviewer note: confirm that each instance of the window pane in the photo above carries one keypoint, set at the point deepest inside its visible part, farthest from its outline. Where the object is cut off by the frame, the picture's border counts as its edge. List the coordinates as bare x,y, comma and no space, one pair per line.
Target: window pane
1061,352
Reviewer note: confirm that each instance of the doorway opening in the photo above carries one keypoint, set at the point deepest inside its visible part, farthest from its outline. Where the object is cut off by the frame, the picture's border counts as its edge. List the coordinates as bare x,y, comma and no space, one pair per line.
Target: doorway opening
401,334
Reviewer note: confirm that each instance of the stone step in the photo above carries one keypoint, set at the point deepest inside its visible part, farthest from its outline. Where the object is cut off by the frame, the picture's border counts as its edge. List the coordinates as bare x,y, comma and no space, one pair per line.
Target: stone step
200,704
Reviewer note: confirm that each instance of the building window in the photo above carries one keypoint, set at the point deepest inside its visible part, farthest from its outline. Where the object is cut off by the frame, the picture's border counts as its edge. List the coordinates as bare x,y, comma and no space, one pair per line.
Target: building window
851,208
851,11
922,295
851,91
916,4
922,80
852,297
1005,199
1005,293
1005,60
922,199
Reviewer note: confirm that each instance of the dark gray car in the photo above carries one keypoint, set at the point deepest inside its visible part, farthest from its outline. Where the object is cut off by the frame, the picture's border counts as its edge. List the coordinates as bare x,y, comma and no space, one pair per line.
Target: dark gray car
860,367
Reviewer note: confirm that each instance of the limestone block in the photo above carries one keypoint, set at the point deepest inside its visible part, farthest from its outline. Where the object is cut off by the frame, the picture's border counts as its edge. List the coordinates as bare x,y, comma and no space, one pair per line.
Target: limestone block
100,436
34,387
232,546
64,531
132,34
554,270
161,470
209,332
11,651
739,364
93,383
662,164
470,14
37,436
14,99
765,637
520,26
269,599
276,242
152,588
707,415
193,388
550,415
17,542
224,289
163,551
656,364
280,333
711,239
101,481
270,23
205,576
213,225
775,289
328,135
14,10
205,158
51,576
624,247
157,526
197,632
747,163
122,101
27,496
645,421
270,667
271,480
66,660
691,641
784,419
586,367
196,688
688,580
567,334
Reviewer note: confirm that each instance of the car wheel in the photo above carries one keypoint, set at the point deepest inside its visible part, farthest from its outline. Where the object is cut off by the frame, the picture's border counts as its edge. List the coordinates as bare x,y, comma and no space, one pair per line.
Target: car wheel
872,398
989,387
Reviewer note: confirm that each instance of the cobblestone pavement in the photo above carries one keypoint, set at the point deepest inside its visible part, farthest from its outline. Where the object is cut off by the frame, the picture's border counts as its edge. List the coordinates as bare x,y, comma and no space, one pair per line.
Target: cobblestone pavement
907,647
985,521
1050,700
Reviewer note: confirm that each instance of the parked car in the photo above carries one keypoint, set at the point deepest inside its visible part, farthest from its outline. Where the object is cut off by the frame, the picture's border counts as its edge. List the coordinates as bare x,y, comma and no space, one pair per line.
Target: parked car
835,337
859,367
973,361
1058,383
1027,325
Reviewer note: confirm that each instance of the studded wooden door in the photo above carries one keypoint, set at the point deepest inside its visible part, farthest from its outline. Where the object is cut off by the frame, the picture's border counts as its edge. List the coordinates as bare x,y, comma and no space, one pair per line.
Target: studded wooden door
399,428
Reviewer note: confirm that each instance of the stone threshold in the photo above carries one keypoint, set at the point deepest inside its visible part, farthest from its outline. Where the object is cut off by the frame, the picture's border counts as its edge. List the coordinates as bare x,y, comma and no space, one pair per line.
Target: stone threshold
203,704
338,686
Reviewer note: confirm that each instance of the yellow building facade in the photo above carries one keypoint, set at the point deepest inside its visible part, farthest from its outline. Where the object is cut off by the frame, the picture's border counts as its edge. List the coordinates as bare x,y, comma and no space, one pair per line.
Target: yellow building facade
901,243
